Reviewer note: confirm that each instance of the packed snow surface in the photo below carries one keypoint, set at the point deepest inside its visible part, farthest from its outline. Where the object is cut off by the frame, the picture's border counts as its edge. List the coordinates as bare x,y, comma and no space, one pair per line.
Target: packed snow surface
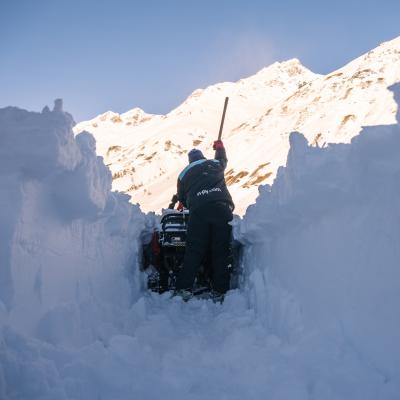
146,152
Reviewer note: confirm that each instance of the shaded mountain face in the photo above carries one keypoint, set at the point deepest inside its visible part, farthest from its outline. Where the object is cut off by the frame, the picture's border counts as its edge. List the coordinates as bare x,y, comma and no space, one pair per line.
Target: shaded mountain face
146,152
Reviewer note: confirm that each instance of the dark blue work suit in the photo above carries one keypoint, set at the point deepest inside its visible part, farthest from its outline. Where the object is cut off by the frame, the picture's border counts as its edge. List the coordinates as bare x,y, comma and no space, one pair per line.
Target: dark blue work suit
202,189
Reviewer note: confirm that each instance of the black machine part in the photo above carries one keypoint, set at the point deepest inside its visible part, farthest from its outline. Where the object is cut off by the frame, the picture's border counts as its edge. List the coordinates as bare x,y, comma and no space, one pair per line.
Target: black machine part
166,251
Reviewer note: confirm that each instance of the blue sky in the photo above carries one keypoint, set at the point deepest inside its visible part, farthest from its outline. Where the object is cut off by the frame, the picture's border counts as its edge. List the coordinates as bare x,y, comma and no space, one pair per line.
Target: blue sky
115,55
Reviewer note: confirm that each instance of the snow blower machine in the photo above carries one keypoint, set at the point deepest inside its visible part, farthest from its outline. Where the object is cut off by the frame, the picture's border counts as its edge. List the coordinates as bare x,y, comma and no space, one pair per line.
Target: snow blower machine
163,256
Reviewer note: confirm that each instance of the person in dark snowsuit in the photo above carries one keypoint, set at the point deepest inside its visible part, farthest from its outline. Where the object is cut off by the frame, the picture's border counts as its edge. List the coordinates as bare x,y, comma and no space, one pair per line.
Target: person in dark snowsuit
202,189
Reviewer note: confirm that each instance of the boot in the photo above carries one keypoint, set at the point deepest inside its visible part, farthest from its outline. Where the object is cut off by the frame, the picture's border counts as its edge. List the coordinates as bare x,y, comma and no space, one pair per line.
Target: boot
185,294
217,297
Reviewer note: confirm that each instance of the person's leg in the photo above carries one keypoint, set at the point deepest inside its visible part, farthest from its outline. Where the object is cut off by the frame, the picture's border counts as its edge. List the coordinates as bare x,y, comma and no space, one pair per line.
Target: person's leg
196,247
221,233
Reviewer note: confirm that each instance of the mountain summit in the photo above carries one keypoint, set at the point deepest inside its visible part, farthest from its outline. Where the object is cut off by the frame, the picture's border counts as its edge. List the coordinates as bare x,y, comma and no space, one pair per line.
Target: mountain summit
145,152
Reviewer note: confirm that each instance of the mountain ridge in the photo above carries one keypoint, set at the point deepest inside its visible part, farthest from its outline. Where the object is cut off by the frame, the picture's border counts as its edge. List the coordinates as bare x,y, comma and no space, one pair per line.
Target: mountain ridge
146,156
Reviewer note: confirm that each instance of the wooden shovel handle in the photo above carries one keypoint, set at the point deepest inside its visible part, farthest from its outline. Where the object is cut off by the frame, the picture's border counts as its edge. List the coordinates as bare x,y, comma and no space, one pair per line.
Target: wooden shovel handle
223,118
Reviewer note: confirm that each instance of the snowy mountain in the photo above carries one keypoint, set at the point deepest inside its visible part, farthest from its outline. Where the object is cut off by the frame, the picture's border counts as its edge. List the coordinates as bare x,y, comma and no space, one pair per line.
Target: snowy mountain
146,152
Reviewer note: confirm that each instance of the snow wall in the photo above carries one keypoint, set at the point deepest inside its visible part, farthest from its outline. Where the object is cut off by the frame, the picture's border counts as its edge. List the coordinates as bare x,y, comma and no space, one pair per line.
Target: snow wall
67,244
316,316
323,257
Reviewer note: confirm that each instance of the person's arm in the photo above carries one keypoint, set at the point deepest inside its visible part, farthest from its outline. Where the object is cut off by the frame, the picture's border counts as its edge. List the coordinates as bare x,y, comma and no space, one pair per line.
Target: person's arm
181,193
220,153
174,200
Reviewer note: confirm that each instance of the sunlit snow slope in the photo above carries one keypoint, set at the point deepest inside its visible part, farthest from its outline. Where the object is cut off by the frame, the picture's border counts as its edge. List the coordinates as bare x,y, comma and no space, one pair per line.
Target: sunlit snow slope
146,152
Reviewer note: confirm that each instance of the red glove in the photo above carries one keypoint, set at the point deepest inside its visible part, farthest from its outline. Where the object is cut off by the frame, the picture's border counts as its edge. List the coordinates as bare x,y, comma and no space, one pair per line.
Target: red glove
180,206
218,145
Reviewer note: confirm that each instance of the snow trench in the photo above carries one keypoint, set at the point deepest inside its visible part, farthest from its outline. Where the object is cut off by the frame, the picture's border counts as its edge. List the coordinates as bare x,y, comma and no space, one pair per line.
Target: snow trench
316,316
